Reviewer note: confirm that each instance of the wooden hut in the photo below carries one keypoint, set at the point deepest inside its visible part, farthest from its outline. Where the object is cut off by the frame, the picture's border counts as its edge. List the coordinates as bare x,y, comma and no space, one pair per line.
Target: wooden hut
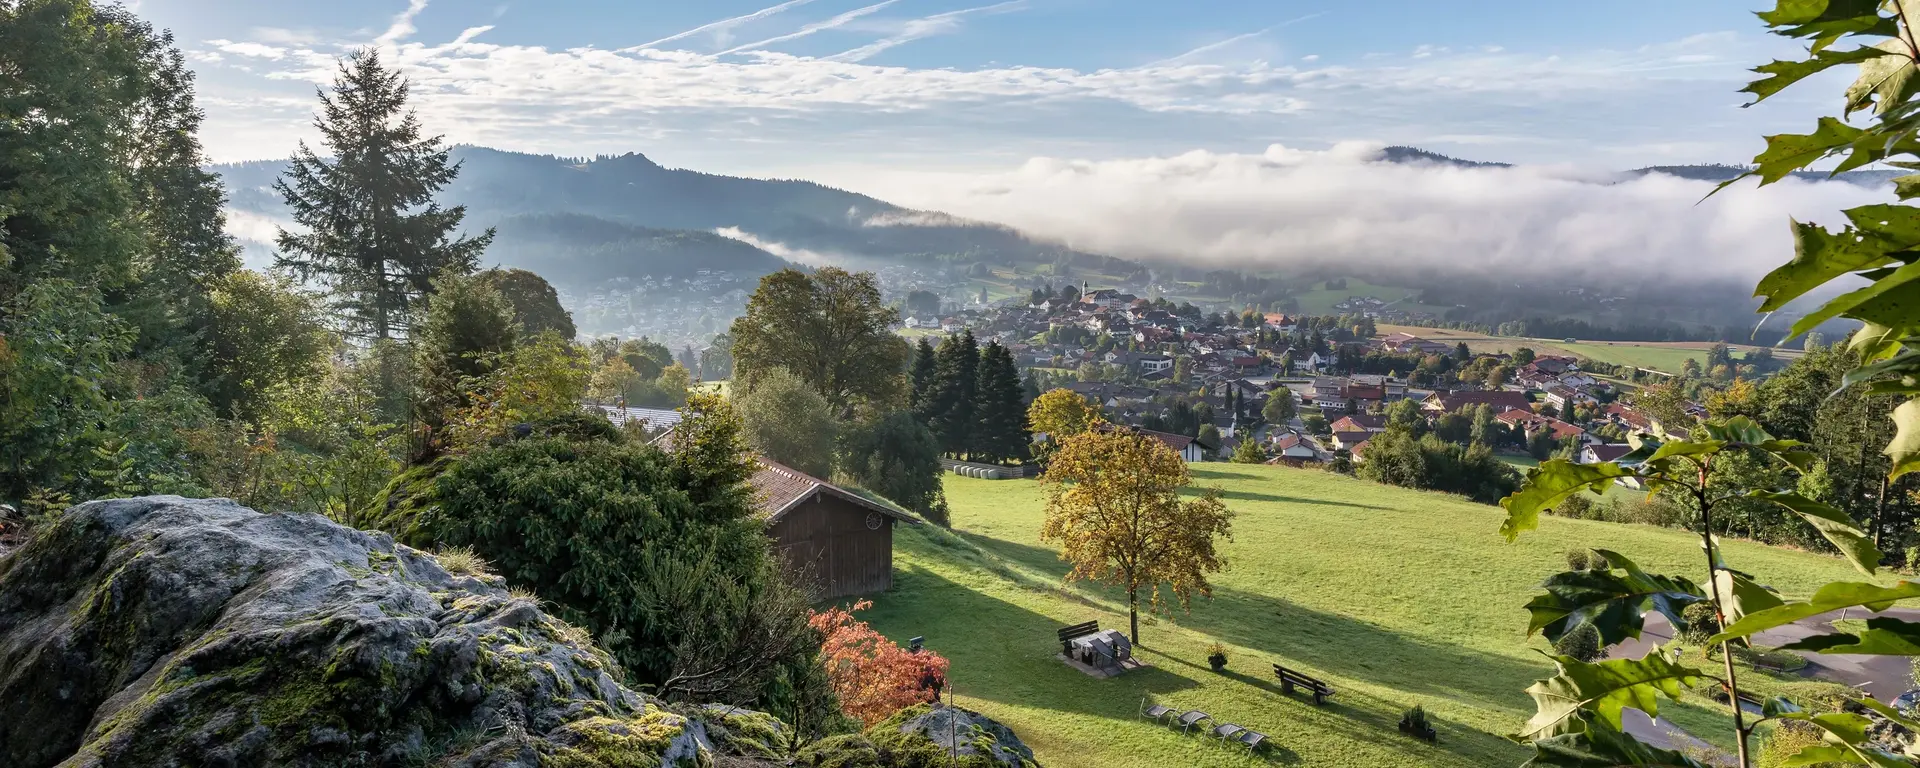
832,538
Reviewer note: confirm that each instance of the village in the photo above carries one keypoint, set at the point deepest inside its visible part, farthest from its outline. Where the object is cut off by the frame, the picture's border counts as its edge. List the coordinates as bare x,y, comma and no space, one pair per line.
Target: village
1204,383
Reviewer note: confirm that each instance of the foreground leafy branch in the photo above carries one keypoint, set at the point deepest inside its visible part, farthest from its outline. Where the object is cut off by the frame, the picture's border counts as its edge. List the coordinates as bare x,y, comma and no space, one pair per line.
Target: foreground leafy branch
1578,716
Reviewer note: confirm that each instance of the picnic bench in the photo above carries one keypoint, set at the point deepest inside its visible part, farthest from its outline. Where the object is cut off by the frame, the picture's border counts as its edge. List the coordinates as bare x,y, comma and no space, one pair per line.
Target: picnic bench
1290,678
1067,634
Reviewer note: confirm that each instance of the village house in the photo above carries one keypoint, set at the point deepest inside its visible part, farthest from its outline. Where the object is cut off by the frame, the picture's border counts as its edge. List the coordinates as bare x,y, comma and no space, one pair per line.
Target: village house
1291,445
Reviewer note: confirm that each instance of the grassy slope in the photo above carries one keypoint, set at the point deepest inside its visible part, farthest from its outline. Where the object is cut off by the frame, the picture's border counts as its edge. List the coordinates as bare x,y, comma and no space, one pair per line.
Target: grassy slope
1395,597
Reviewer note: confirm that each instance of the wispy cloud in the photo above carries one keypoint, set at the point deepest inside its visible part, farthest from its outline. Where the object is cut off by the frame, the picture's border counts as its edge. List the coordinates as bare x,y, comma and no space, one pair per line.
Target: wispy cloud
722,26
1214,46
821,26
928,26
402,27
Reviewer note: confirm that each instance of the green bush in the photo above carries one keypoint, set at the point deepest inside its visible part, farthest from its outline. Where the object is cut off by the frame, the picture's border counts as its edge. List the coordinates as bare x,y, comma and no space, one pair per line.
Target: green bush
1582,643
1702,623
895,456
658,555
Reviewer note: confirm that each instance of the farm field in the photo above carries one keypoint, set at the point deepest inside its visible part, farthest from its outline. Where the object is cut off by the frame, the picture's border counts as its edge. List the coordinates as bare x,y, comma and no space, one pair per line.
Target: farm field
1657,355
1320,300
1394,597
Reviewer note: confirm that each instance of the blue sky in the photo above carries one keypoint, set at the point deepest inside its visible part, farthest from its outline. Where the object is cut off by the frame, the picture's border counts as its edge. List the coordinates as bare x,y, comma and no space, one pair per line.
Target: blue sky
823,86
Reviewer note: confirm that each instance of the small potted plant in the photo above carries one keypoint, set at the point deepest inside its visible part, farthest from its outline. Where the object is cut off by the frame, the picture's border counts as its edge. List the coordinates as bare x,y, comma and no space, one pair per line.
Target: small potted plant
1414,723
1217,657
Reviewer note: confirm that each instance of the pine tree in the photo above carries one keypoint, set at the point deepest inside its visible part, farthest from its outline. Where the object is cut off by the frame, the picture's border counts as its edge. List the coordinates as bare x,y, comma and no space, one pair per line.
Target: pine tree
951,397
373,235
1000,415
921,378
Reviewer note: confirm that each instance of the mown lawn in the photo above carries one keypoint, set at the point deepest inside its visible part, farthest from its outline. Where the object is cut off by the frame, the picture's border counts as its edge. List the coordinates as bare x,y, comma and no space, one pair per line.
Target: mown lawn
1395,597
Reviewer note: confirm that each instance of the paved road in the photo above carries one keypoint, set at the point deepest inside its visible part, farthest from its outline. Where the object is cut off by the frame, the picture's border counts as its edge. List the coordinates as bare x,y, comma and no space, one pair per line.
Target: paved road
1882,677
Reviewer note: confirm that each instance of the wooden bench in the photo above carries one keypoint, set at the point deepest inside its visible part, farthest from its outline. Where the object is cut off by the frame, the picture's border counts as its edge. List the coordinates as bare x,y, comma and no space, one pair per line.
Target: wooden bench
1290,678
1067,634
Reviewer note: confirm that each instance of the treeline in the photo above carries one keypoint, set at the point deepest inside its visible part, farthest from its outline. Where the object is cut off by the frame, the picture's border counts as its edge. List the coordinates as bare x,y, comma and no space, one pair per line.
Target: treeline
971,398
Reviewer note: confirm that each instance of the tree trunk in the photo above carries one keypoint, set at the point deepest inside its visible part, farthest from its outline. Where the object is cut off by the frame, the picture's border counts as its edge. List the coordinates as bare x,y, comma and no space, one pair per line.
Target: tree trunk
1133,615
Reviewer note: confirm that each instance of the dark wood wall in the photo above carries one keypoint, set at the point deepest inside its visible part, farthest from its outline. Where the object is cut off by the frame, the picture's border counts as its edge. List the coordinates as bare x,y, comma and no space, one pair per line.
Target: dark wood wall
827,541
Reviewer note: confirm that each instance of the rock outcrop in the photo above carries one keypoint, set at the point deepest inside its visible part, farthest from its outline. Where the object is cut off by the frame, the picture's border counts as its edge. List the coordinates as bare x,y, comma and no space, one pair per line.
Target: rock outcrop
169,631
165,631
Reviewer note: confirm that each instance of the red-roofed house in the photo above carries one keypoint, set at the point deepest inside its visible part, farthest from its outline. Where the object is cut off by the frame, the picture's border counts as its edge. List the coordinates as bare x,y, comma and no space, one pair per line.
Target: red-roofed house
833,539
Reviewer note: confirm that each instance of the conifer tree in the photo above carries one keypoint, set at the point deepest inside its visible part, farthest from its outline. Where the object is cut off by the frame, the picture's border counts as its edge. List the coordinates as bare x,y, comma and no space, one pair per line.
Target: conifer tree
1000,415
921,378
372,233
951,397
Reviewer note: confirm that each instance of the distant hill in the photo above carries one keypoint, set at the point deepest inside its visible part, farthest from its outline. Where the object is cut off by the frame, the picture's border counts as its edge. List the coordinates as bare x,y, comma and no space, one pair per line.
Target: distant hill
1718,173
1399,154
633,190
580,250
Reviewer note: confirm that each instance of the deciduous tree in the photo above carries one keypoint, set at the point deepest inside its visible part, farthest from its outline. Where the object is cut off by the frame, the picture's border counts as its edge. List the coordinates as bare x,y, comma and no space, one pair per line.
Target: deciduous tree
536,305
788,421
1114,507
830,329
872,677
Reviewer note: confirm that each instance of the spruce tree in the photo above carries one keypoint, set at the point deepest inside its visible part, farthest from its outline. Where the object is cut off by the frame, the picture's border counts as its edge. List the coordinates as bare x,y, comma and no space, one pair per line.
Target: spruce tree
921,377
951,399
373,235
1000,418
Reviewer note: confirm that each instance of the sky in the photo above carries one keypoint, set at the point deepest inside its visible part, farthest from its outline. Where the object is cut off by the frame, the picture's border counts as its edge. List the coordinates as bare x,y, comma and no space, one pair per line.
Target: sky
762,87
1235,131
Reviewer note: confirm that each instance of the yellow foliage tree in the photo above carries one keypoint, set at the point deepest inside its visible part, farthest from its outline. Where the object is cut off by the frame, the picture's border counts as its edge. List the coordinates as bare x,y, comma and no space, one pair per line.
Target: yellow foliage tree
1114,506
1060,414
612,380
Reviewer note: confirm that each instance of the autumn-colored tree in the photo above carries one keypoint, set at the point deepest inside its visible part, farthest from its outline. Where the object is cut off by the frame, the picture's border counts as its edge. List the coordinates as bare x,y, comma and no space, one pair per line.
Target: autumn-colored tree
1061,413
872,677
1114,506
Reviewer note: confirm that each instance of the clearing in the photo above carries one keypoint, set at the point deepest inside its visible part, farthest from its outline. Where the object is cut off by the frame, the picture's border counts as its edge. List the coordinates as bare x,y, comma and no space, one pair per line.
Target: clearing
1667,356
1394,597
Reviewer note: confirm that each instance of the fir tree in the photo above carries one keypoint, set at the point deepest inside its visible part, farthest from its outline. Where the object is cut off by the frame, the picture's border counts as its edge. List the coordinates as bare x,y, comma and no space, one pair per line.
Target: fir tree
950,400
373,235
921,377
1000,414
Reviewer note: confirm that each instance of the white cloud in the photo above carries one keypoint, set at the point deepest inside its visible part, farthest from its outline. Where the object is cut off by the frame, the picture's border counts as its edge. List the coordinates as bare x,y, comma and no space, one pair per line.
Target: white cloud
937,24
402,27
782,250
1340,207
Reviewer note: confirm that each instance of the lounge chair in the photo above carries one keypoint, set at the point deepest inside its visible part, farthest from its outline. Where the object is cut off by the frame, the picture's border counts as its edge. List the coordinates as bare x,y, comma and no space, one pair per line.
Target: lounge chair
1226,731
1253,739
1154,712
1191,719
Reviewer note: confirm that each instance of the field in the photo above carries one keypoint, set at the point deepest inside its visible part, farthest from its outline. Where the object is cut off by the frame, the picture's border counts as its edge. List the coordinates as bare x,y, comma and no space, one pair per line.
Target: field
1659,356
1394,597
1320,300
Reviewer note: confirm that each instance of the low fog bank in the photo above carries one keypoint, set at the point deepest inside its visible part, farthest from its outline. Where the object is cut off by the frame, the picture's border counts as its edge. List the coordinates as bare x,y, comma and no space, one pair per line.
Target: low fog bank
1346,210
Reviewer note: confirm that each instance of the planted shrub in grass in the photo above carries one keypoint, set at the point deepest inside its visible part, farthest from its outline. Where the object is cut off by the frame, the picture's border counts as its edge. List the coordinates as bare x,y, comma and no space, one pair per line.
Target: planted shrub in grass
1414,723
1217,657
1582,643
1702,623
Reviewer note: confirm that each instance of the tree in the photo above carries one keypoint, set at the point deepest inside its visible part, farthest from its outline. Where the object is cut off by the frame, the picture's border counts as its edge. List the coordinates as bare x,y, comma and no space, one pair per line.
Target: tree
830,329
1249,452
1114,506
923,303
372,233
1523,356
646,357
1280,407
1000,415
716,361
871,676
894,456
953,395
788,421
262,334
920,378
1461,354
1208,435
1060,414
467,327
536,305
613,381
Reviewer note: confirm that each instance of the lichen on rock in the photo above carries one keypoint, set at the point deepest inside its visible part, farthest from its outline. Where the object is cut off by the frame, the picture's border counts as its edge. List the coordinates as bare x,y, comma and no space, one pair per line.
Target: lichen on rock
170,631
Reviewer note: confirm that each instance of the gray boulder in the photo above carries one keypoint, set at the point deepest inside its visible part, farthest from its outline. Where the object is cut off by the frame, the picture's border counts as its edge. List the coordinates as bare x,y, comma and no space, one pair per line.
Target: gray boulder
165,631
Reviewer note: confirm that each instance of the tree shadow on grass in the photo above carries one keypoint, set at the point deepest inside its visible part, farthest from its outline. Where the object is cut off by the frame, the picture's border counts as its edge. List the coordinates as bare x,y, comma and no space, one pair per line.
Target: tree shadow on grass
1251,496
1322,643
